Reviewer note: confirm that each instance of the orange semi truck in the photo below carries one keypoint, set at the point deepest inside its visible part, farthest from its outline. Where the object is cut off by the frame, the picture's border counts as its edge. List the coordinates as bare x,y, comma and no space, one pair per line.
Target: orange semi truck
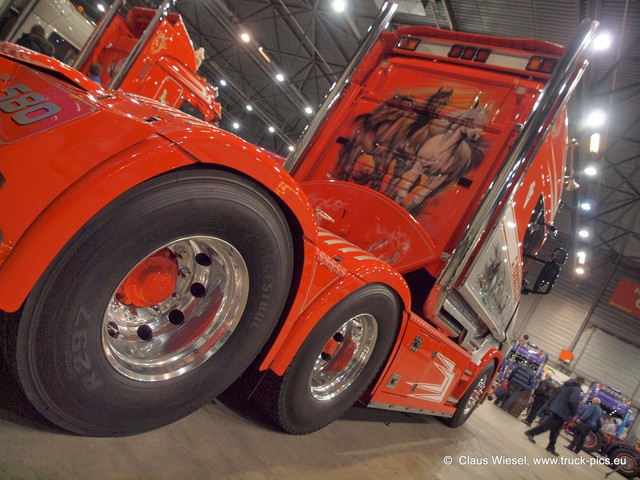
148,259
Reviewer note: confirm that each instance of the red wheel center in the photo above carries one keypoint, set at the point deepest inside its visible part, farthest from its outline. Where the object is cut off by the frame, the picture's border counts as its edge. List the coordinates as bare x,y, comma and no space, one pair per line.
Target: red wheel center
341,354
151,282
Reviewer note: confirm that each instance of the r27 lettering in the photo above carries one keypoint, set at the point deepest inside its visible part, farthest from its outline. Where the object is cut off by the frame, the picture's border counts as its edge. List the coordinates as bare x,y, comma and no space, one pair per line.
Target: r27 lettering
26,106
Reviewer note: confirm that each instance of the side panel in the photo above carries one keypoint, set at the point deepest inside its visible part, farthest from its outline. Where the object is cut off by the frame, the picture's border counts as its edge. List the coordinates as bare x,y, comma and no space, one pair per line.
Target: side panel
493,285
425,372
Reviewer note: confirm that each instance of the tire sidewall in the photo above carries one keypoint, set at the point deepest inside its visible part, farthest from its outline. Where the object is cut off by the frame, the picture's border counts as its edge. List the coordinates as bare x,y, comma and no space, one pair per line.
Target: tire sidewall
618,452
302,413
61,360
597,443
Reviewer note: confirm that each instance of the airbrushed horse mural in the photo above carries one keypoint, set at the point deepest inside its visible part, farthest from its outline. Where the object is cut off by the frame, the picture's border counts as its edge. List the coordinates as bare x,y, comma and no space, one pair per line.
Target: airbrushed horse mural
410,151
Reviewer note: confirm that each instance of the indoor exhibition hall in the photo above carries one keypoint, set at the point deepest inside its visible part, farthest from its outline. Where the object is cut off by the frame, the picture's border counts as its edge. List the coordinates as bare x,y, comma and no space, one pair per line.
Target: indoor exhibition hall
286,239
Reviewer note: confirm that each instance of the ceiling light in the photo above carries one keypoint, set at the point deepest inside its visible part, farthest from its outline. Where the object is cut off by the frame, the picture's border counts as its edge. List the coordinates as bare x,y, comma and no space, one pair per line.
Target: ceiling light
586,206
594,144
339,5
264,54
580,271
597,118
223,83
101,7
590,170
272,130
308,110
236,125
583,233
249,107
291,148
582,257
244,36
280,77
602,41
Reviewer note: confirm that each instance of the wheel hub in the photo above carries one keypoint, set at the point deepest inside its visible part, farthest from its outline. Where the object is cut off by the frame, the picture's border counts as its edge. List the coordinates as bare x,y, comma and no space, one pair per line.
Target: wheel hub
175,309
151,282
344,357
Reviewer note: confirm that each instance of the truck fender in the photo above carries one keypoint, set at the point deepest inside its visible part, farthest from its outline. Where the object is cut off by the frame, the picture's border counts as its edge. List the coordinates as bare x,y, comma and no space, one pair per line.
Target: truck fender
234,153
66,215
297,329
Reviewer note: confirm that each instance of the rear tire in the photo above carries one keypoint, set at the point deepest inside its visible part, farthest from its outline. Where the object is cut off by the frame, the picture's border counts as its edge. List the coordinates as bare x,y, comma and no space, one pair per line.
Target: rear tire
218,254
335,364
471,399
624,461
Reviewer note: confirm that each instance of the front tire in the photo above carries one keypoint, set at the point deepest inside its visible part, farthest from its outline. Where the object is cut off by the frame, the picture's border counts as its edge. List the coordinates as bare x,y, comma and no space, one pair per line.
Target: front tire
156,305
336,363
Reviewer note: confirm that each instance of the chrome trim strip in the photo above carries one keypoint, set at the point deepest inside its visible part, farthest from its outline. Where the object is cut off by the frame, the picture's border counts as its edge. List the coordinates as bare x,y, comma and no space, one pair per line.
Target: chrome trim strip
396,408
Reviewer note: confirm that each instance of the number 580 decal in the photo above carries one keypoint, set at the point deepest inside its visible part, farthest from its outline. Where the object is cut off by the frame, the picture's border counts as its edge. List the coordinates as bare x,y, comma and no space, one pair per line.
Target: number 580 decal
27,106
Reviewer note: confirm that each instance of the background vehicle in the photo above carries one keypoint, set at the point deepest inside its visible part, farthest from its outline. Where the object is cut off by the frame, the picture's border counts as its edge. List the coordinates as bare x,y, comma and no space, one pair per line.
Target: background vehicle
65,26
143,51
625,458
522,352
178,256
614,404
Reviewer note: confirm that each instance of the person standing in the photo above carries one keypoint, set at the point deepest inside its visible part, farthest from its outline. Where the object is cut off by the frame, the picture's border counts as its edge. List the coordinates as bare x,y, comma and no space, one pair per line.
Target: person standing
587,422
540,397
563,407
36,41
95,73
609,426
521,378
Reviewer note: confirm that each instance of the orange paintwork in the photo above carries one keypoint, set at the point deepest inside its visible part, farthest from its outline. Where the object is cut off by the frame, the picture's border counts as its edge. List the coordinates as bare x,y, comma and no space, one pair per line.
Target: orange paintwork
92,159
358,172
383,194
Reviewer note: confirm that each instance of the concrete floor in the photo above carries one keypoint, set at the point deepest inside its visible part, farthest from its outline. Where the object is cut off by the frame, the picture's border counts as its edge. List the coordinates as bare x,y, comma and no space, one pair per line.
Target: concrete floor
217,443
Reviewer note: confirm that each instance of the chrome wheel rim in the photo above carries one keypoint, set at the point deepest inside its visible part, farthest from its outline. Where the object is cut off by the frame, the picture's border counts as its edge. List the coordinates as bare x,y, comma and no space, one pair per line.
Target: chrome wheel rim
476,395
343,357
171,337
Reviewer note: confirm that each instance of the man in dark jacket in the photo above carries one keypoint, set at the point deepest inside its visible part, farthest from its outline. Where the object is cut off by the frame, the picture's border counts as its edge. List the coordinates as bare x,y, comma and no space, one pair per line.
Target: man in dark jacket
587,422
36,41
521,378
541,395
563,407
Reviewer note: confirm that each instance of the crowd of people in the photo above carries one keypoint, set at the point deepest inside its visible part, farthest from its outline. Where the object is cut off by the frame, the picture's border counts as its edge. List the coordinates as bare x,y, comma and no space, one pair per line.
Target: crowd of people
554,406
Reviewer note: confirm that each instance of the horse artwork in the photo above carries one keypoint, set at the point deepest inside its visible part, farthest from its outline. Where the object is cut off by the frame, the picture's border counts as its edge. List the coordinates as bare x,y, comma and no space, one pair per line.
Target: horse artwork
410,151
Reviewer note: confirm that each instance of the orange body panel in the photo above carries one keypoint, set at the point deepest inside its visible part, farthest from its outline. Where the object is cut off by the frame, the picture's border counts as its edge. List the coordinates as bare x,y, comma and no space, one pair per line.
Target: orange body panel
399,168
95,154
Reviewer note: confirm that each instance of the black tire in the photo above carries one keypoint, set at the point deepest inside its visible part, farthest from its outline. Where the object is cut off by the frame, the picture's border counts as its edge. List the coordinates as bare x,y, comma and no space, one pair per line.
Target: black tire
624,461
471,398
593,442
95,366
298,402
